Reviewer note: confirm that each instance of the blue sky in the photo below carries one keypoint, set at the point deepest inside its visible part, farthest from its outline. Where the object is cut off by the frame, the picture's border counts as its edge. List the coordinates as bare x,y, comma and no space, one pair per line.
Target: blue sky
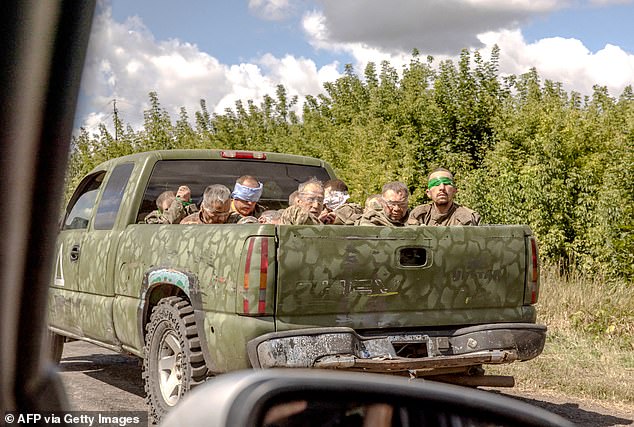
595,26
223,51
224,29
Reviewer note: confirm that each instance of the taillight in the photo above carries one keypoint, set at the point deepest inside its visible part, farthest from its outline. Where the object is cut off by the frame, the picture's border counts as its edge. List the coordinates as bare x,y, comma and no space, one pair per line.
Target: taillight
230,154
533,274
264,273
247,276
257,277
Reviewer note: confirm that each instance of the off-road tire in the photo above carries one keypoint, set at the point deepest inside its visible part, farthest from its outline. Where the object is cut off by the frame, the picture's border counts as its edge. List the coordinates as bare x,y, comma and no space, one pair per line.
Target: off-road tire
173,361
55,343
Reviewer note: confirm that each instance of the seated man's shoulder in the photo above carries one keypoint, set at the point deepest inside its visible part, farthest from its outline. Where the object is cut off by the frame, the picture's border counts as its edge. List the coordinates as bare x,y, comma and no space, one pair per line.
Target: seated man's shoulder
374,217
421,209
258,210
191,219
348,214
234,218
467,216
154,217
417,215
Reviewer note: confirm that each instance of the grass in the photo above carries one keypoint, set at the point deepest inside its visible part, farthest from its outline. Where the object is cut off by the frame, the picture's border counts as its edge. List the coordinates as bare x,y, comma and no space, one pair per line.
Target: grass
589,350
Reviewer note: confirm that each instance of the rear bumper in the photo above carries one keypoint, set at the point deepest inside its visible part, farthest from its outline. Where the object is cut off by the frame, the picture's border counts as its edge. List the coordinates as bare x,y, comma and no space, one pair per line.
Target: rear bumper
343,348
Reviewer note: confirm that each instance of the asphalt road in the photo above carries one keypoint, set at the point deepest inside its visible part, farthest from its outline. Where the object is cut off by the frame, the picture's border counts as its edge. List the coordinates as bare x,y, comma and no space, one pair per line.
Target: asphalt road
97,379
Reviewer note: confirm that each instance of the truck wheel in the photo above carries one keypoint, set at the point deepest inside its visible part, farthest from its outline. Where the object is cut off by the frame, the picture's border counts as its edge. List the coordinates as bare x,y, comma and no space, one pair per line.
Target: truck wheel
173,360
55,344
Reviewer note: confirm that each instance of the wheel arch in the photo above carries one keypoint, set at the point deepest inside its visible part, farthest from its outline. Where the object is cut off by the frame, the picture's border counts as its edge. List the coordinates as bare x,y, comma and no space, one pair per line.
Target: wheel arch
163,282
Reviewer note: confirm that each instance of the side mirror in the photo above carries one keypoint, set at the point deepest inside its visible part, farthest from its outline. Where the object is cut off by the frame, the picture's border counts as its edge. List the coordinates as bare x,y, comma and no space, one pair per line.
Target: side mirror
294,397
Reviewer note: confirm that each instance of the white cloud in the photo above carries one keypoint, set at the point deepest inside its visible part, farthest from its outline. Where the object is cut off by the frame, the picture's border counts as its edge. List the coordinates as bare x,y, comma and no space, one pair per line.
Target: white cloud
299,76
271,10
564,60
433,26
373,30
314,24
125,63
609,2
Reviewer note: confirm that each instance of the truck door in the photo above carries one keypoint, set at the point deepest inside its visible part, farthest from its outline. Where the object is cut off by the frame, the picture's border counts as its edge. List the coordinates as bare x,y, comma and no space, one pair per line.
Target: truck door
96,264
64,298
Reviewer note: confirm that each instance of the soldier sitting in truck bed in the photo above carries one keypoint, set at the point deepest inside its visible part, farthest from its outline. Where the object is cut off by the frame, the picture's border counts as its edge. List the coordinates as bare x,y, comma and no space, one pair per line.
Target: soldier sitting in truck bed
309,207
245,196
442,210
215,208
394,210
336,201
172,208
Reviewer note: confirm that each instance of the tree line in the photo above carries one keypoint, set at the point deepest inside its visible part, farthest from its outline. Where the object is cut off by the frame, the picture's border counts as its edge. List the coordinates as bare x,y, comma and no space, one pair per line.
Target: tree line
523,149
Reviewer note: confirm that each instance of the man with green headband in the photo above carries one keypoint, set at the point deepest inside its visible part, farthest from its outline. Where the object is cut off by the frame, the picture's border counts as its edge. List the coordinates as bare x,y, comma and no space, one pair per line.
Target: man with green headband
442,210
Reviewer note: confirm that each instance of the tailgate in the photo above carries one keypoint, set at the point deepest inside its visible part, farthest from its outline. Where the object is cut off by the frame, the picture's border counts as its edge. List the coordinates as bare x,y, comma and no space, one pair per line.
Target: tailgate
380,277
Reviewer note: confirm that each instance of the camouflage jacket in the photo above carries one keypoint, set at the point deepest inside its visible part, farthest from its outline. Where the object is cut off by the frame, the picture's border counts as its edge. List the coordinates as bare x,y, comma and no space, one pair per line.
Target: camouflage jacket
197,218
173,215
457,215
295,215
378,217
348,214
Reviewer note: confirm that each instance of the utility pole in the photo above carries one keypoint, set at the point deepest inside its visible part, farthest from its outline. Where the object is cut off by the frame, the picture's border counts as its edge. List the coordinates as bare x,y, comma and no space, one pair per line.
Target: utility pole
116,119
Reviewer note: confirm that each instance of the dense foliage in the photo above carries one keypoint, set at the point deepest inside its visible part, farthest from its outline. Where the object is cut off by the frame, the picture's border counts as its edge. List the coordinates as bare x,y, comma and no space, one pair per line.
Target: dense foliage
523,150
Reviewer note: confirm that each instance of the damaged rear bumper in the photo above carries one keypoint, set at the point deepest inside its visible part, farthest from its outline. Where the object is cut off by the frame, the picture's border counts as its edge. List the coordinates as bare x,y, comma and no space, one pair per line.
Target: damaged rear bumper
343,348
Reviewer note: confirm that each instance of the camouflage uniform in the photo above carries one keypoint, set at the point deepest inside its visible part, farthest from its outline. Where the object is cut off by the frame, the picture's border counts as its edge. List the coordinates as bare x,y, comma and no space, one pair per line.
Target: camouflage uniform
173,215
197,218
378,217
347,214
295,215
248,220
373,204
456,215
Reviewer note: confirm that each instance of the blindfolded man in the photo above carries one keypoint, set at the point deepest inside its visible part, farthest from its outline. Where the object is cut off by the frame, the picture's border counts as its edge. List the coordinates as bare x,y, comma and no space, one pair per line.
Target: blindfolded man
245,196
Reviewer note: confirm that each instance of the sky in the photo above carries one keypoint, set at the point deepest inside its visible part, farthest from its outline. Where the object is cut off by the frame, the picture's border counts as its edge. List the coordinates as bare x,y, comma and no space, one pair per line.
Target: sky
224,51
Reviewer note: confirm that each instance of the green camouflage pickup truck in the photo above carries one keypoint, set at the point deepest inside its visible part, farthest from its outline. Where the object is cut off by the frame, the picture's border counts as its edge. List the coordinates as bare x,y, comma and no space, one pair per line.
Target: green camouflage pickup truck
197,300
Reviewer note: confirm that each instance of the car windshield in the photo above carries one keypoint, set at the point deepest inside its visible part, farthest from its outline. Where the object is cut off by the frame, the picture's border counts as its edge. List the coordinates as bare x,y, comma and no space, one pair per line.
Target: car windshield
451,117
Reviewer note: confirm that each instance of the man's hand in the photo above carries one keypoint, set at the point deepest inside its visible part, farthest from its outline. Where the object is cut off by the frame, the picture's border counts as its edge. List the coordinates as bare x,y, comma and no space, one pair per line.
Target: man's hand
184,193
327,217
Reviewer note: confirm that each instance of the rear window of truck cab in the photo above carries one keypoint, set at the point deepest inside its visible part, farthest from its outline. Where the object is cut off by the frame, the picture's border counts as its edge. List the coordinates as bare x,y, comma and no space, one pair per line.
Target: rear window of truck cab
279,179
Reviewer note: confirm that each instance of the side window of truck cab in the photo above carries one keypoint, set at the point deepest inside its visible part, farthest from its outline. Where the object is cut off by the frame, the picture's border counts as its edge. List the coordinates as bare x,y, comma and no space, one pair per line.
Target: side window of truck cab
82,203
112,197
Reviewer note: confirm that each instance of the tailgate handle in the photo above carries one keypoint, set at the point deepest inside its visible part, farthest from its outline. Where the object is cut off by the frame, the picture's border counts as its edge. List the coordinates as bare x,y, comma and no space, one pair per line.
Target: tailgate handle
74,253
412,257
